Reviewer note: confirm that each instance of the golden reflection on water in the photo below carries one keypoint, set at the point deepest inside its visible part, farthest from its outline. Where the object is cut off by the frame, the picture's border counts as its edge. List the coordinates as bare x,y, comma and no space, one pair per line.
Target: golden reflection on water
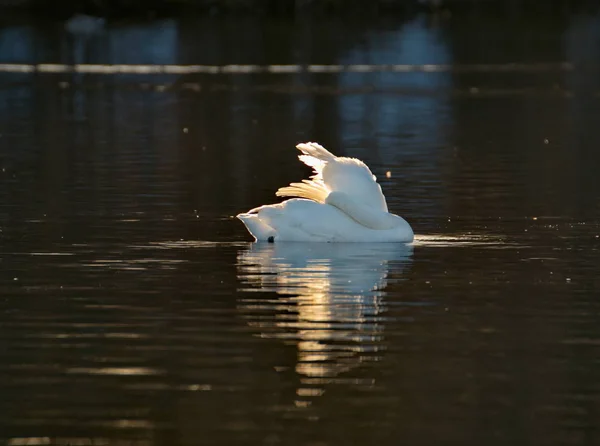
121,371
329,305
458,240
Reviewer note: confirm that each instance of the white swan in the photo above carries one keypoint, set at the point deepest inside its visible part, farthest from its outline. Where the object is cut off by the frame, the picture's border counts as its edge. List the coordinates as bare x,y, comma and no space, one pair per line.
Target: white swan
342,202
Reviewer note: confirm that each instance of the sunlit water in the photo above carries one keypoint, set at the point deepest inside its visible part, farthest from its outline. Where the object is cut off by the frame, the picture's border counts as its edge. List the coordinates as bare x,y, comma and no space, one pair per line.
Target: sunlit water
134,309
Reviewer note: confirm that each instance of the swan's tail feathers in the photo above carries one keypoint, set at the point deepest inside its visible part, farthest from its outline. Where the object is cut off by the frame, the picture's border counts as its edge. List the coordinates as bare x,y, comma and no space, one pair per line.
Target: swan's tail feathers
316,156
258,228
312,190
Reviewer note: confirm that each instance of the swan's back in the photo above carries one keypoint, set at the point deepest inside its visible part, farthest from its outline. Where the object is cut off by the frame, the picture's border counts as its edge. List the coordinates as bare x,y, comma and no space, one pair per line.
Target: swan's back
335,174
354,178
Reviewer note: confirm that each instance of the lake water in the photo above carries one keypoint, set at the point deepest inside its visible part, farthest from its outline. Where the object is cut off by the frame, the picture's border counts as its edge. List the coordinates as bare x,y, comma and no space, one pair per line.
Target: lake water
135,310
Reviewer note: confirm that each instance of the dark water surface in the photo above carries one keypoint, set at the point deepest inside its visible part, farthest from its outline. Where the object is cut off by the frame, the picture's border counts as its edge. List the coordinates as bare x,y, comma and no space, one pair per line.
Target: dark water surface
134,309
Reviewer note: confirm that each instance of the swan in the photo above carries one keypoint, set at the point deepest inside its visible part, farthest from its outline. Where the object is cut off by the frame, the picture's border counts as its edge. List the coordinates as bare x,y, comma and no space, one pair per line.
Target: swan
341,202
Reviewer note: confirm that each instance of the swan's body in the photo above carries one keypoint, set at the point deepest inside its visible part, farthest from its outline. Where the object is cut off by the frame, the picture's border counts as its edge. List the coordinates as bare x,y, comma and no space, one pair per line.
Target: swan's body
342,202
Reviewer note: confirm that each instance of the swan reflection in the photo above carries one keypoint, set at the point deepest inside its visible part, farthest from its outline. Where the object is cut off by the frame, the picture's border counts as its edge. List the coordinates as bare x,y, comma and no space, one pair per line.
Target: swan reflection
329,304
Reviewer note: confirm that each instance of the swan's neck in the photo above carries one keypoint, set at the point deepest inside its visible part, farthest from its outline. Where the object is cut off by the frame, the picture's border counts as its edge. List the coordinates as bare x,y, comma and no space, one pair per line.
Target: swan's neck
361,213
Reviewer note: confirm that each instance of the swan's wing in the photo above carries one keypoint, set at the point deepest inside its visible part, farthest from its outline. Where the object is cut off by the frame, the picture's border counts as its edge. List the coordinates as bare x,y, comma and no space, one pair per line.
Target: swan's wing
335,174
352,177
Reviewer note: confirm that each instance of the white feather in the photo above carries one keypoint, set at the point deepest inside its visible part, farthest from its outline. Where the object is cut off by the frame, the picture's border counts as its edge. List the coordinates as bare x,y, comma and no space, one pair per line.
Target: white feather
335,174
340,202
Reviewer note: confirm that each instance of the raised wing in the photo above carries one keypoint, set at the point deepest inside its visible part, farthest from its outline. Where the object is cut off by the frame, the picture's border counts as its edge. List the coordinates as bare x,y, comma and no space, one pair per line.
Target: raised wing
335,174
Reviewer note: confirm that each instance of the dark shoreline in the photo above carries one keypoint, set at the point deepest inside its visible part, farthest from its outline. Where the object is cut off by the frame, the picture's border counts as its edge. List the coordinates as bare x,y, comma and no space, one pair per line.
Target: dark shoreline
353,8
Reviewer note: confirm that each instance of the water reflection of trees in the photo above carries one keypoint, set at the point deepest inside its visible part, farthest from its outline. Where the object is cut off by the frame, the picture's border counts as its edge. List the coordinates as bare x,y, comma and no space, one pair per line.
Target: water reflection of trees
433,137
523,147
